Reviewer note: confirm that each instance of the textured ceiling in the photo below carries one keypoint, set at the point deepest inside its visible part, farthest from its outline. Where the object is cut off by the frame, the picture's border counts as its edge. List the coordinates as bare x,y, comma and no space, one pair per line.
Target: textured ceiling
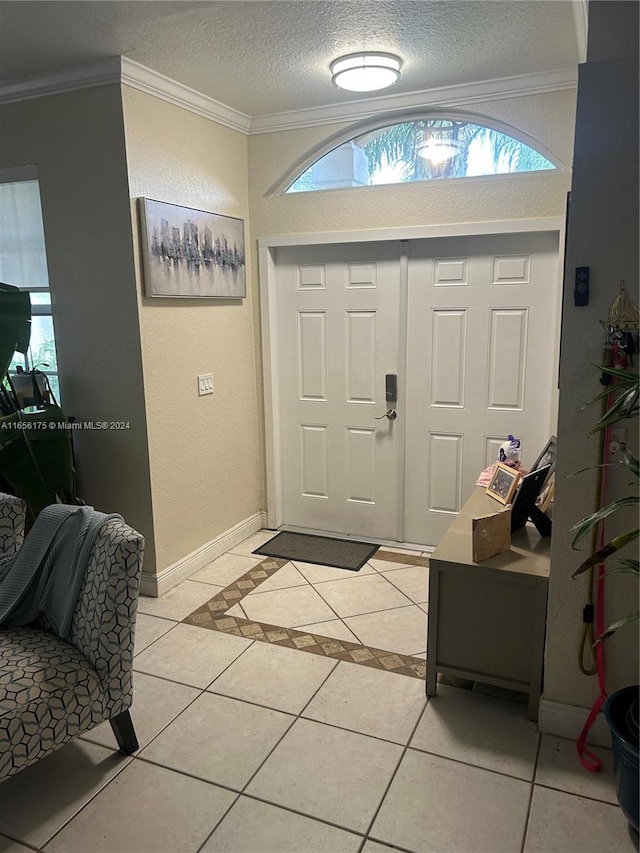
268,56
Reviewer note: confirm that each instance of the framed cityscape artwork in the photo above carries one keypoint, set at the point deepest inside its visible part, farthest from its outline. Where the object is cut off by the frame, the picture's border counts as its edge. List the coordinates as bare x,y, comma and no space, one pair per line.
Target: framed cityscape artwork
191,253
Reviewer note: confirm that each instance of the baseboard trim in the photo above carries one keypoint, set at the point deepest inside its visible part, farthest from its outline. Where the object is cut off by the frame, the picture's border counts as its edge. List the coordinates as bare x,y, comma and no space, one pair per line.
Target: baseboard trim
156,584
561,720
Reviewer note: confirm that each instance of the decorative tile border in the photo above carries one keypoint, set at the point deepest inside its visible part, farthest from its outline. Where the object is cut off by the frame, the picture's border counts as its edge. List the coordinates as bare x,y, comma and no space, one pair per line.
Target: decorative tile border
403,559
213,615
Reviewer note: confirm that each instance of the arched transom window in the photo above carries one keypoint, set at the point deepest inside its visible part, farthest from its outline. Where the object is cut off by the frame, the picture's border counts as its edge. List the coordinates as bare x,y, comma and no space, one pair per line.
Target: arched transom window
424,150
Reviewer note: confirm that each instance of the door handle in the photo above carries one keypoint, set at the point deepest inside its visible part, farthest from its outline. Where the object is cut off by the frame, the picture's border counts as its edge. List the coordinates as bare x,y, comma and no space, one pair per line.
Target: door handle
391,387
390,414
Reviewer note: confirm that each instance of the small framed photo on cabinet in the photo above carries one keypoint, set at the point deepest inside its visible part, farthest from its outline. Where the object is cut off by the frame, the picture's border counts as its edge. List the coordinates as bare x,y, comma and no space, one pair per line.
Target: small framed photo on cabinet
504,483
547,457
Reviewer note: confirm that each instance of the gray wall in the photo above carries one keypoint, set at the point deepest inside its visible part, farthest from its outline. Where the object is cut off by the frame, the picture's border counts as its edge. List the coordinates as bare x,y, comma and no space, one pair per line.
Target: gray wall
602,234
613,29
77,142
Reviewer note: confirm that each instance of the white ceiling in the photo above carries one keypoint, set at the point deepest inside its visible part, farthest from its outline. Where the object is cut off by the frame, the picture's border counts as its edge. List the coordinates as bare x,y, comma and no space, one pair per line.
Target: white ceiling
269,56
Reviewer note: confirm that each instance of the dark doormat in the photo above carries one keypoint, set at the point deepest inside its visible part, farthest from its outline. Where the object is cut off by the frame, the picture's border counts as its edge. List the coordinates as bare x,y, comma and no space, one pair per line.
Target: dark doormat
340,553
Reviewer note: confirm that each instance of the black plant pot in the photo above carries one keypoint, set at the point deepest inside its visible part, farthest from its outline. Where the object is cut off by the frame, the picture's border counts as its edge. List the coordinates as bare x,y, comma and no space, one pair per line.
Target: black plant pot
622,711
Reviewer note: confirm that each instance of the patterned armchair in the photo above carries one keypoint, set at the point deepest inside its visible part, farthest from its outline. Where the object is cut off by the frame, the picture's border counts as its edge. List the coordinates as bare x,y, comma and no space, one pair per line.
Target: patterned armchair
52,689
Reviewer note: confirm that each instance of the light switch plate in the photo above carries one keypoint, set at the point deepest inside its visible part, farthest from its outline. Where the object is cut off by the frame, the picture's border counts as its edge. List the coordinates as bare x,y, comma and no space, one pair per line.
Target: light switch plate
205,384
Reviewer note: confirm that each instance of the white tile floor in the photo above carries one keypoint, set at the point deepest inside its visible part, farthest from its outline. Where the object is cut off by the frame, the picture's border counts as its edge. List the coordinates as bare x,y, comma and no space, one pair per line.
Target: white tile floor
247,747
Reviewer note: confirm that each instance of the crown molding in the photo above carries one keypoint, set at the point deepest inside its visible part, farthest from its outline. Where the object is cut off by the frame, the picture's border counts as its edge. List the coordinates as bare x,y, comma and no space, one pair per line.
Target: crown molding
66,80
450,96
581,23
125,71
145,80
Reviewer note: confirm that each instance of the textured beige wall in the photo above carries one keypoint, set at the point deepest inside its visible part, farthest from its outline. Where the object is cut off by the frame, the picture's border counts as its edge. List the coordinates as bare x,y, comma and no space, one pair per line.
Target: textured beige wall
76,140
203,451
549,118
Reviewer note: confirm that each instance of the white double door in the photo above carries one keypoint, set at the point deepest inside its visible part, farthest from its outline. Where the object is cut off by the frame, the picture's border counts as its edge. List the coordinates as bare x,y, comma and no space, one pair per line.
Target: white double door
466,324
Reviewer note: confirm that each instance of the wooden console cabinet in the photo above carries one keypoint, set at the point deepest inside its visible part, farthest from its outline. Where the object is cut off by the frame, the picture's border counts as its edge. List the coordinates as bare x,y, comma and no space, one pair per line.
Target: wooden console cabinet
487,620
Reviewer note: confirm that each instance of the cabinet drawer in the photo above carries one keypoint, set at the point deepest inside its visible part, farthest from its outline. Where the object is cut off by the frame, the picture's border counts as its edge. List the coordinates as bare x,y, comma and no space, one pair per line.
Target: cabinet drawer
486,625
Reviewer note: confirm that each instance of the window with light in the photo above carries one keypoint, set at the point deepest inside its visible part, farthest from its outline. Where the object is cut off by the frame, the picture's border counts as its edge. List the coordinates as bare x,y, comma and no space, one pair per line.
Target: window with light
426,150
23,263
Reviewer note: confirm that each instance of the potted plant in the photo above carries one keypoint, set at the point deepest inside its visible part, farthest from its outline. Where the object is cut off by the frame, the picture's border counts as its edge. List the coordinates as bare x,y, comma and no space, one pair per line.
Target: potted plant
36,460
622,707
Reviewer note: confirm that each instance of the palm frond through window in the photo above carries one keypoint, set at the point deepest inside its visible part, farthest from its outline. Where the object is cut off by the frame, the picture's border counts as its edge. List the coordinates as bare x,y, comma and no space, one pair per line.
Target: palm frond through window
430,149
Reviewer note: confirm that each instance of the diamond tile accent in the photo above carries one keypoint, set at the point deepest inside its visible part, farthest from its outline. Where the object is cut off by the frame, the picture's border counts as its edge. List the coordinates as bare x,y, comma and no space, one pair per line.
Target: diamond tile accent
215,616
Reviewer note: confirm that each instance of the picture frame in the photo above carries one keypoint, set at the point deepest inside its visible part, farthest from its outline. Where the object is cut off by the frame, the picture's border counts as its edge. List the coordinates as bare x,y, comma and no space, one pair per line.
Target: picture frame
525,501
548,492
547,457
504,483
490,535
191,254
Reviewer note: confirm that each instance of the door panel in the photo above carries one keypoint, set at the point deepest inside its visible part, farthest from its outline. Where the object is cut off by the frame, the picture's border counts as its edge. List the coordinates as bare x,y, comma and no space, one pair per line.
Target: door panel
312,355
479,364
445,471
448,357
362,345
507,358
314,461
338,315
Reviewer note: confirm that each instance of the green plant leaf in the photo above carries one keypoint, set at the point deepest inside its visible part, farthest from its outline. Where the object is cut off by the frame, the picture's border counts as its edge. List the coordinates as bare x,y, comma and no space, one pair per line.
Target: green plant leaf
586,525
38,463
624,407
35,464
631,462
624,394
608,390
15,323
607,550
623,373
626,390
631,567
630,617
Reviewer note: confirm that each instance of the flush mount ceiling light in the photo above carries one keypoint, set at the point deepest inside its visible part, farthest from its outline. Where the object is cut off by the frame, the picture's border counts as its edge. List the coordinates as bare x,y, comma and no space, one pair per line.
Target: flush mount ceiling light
439,143
365,72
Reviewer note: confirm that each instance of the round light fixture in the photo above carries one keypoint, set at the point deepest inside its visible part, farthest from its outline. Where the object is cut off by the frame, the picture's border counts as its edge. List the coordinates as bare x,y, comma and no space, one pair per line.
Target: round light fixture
439,143
365,72
437,150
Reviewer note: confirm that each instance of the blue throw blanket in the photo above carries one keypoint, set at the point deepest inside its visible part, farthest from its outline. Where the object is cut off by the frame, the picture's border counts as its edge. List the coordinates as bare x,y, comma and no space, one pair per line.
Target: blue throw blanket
45,576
